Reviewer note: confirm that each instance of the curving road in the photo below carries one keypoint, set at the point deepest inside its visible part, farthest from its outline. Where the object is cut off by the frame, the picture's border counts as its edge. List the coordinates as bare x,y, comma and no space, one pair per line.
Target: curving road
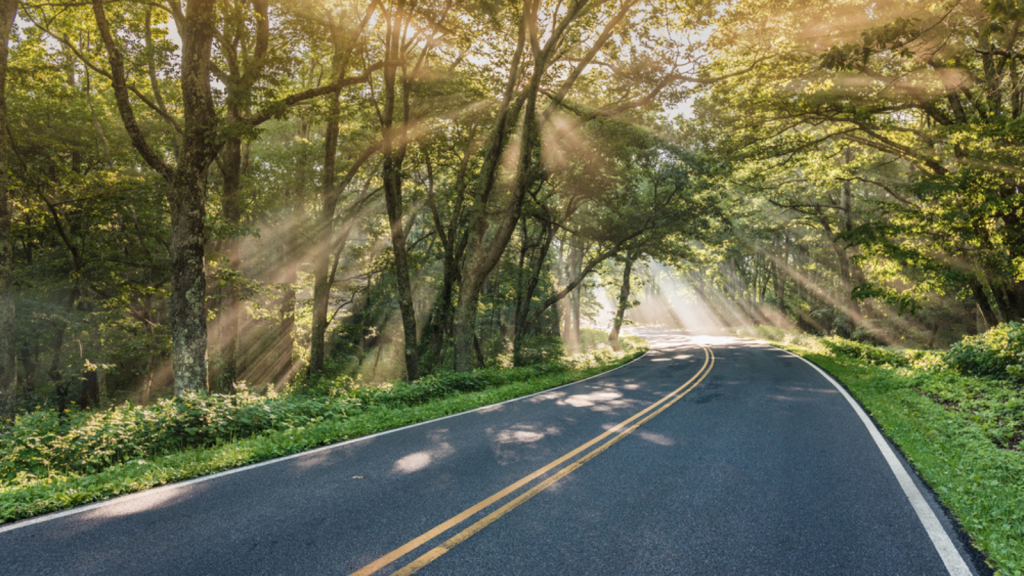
709,455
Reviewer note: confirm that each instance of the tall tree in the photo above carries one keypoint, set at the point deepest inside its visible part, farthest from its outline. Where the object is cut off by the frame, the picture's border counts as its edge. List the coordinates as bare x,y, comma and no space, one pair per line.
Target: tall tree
8,368
509,158
344,30
186,193
202,136
395,124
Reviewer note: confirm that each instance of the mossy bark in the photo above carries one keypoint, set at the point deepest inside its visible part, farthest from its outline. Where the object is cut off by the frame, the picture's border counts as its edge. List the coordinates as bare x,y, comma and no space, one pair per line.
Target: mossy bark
188,286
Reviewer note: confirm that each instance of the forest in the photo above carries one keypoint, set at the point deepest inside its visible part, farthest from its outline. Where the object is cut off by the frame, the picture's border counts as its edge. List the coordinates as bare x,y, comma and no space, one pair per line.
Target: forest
248,195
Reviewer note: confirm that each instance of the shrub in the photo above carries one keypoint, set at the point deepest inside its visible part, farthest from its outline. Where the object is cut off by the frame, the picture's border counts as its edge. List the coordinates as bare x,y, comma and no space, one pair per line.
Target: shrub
44,443
445,383
997,353
540,349
873,354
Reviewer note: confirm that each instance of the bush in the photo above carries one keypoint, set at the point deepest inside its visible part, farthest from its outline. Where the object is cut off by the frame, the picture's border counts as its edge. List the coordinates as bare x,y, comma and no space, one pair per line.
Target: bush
43,443
444,383
873,354
996,408
997,353
540,349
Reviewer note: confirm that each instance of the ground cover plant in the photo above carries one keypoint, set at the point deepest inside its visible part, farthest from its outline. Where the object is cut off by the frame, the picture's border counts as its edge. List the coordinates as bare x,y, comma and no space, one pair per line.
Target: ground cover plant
50,462
963,432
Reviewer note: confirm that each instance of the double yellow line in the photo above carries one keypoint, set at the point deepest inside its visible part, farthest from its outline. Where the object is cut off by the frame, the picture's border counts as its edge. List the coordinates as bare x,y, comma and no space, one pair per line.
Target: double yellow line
617,432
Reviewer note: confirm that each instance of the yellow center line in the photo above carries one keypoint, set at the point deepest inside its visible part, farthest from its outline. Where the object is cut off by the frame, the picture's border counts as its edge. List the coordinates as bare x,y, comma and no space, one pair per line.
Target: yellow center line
435,553
472,510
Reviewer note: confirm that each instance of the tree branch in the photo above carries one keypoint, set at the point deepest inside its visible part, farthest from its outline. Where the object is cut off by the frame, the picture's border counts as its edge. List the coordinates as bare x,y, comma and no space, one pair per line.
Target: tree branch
124,105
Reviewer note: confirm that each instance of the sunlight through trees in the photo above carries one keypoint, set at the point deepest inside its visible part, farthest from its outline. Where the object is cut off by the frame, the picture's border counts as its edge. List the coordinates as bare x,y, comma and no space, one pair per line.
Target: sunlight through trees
232,195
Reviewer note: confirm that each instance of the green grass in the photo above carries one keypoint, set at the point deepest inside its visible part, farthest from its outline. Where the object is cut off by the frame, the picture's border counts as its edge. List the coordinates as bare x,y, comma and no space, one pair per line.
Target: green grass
26,497
959,445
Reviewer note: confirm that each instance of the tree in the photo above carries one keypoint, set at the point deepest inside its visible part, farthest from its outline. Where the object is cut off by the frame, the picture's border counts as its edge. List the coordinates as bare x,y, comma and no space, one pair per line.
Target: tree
551,52
922,96
202,136
185,192
8,368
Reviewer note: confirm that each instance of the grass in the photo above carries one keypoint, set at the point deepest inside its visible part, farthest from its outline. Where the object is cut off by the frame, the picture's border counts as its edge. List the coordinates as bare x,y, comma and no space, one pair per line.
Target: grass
30,495
955,430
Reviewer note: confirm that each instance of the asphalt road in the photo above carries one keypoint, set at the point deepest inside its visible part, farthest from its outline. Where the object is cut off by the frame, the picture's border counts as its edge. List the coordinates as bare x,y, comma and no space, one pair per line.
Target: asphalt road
708,455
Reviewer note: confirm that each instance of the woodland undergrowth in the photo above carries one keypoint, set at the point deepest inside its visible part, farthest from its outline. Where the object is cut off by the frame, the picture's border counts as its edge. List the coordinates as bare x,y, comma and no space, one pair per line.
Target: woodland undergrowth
51,461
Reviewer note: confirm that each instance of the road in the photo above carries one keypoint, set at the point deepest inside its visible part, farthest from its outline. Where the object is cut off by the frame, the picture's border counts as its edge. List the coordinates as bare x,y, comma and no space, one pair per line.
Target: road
709,455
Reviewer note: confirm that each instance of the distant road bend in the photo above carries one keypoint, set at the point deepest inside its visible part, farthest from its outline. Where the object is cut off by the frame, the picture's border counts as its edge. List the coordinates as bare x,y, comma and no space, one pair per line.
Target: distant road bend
708,455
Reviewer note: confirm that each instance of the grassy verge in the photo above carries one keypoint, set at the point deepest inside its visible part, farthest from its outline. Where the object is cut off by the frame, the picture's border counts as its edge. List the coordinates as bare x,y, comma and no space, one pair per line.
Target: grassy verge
942,422
30,495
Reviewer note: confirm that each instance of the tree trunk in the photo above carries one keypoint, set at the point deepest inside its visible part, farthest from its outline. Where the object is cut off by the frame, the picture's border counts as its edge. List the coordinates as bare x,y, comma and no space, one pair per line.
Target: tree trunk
394,156
286,309
286,339
441,323
482,255
90,394
780,287
147,388
393,197
620,311
325,230
188,285
572,325
8,366
1006,296
186,195
575,298
464,322
978,291
524,303
289,258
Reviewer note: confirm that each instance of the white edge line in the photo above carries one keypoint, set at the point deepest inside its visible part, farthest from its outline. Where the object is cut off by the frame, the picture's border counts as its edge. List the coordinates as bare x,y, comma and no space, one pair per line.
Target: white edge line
184,483
951,557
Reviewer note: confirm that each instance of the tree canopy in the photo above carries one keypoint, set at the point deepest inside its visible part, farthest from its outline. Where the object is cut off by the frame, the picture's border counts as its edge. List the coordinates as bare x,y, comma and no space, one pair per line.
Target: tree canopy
239,193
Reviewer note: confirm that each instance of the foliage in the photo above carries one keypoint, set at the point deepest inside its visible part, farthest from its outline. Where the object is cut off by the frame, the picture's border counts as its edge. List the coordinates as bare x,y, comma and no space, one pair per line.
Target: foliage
540,348
875,172
997,409
874,354
286,214
442,384
997,353
44,443
331,420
